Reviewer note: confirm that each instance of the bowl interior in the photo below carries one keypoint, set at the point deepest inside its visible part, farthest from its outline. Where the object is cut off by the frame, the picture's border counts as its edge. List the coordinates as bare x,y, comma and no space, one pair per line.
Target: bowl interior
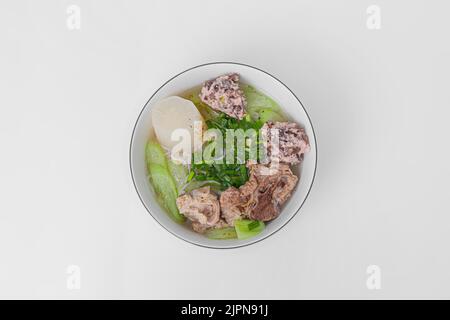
187,80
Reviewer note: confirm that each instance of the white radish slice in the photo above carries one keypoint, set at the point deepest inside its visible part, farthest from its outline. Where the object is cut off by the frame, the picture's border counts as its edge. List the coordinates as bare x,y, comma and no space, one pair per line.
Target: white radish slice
173,113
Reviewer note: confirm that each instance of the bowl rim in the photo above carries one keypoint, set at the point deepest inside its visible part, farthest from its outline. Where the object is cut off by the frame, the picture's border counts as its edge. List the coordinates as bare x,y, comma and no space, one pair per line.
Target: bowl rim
251,242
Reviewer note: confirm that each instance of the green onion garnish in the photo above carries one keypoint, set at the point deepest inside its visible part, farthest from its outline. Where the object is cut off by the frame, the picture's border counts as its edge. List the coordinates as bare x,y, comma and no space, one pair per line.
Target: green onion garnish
253,225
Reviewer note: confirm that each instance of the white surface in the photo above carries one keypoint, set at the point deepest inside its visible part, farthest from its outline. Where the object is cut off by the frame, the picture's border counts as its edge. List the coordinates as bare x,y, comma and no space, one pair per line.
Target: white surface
378,99
187,80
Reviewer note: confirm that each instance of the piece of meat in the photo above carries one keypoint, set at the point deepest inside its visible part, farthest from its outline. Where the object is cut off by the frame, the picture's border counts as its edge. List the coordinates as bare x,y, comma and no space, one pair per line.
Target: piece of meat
274,187
198,227
292,142
229,205
261,197
201,228
201,207
223,94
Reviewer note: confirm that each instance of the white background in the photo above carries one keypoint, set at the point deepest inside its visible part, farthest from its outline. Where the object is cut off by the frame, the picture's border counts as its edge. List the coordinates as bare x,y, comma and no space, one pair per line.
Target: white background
379,101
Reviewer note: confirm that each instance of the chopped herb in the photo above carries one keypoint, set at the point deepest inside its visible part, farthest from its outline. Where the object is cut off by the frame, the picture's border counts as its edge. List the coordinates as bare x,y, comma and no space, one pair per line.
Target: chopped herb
253,225
234,174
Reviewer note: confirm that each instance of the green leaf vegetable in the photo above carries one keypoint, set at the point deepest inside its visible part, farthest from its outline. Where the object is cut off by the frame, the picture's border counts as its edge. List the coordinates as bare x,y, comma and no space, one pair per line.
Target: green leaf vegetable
222,233
179,173
261,107
162,179
243,229
248,228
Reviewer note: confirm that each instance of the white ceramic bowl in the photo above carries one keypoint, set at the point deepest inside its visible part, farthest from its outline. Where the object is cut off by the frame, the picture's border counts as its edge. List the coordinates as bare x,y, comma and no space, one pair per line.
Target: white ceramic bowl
195,76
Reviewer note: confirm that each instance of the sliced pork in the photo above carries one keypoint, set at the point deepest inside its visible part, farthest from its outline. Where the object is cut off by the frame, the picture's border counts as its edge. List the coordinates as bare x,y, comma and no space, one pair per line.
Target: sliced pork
274,187
201,207
261,197
230,201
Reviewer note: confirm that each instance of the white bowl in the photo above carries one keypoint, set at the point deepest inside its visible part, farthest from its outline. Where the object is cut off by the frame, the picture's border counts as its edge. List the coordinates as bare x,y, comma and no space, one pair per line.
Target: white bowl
188,79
